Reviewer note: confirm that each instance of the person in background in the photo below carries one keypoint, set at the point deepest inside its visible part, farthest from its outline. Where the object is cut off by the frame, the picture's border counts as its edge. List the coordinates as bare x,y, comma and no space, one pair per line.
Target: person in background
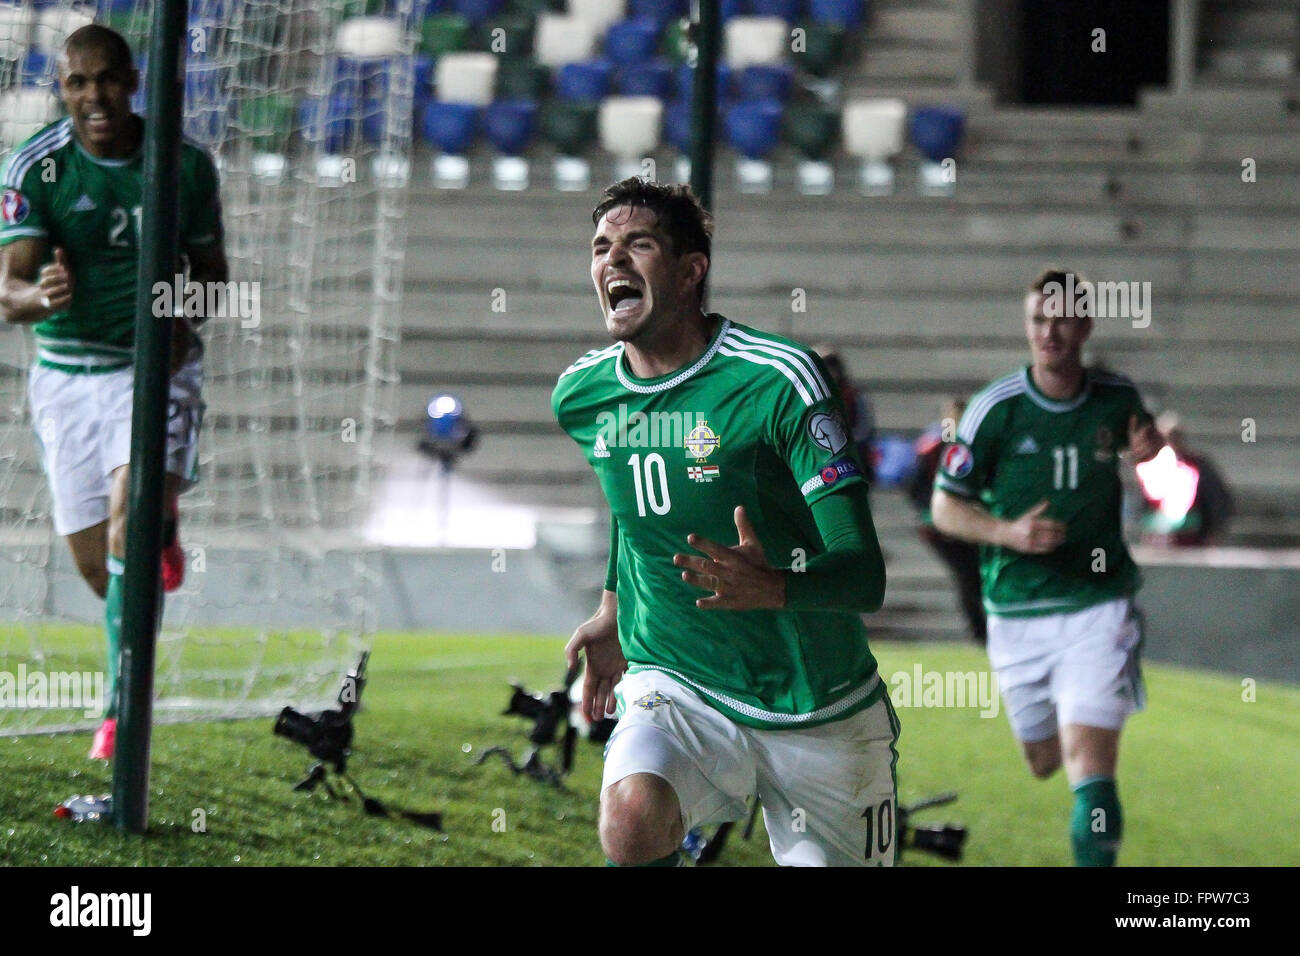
960,557
862,418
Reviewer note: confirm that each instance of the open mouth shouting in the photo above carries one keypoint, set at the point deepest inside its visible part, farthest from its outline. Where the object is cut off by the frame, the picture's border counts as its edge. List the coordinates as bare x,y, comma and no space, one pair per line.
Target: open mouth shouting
625,296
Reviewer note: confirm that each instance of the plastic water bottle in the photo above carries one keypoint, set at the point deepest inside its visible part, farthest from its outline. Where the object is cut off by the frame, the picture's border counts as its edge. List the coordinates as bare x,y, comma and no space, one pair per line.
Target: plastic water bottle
78,808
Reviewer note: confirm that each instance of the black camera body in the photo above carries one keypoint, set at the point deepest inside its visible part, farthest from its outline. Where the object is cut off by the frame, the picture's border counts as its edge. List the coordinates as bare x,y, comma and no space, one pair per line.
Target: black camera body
328,734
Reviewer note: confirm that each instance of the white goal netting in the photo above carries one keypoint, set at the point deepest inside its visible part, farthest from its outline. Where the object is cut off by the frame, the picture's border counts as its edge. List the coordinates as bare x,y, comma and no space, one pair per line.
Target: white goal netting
307,110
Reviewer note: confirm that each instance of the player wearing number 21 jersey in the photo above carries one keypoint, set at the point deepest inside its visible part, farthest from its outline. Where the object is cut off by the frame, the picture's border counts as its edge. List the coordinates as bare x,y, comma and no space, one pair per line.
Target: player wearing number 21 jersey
748,669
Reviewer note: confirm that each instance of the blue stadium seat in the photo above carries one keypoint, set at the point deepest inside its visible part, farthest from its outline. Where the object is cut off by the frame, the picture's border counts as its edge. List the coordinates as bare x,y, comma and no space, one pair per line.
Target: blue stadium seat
787,10
476,11
450,126
765,81
632,41
586,82
848,14
732,8
510,124
36,67
677,125
646,79
685,81
754,127
423,68
937,131
660,11
372,120
328,121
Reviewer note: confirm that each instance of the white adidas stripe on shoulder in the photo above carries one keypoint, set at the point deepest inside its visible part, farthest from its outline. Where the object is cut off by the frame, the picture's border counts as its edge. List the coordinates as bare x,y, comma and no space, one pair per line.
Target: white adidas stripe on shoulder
594,357
758,359
44,144
1004,388
806,367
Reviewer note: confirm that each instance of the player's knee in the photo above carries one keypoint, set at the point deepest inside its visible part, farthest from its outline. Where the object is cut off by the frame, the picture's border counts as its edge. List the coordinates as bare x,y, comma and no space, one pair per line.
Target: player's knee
1044,758
635,824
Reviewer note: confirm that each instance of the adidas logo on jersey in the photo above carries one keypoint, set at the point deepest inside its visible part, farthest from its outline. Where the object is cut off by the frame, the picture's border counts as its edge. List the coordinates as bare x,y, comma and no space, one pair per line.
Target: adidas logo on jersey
84,204
1027,446
600,450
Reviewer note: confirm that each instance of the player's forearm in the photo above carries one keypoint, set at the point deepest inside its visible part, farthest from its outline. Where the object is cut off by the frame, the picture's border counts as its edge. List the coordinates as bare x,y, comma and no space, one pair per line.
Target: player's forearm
611,566
850,574
23,303
964,519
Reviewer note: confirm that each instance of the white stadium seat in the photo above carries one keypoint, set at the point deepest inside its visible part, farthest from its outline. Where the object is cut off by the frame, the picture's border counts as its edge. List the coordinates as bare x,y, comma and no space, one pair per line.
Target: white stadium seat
563,39
368,37
599,13
24,111
756,40
466,78
873,129
56,23
15,30
629,128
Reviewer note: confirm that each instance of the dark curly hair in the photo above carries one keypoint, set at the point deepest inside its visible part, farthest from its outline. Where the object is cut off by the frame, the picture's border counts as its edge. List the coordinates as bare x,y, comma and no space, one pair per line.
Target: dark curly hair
679,214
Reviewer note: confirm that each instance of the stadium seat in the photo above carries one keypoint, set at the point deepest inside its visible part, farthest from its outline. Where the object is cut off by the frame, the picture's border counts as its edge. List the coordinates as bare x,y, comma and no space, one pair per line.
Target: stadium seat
601,14
937,132
509,125
765,81
451,127
756,40
465,78
422,69
328,122
443,33
847,14
660,11
873,132
267,121
823,49
15,31
632,41
586,82
563,39
810,129
677,125
24,111
685,81
753,129
628,127
367,38
53,26
646,79
571,129
522,79
37,68
787,10
476,11
206,105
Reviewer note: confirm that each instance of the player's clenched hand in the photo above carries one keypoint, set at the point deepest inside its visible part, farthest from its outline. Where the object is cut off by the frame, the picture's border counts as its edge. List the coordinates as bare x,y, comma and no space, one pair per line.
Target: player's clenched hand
1143,440
55,282
1031,533
598,637
741,578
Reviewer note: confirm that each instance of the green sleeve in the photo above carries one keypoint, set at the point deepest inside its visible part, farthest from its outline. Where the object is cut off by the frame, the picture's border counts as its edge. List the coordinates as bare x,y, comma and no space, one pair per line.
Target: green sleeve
203,225
611,569
850,574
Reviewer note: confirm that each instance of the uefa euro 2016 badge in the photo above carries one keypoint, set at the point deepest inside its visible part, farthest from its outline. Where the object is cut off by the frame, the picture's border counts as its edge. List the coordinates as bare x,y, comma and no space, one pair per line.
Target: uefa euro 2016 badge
957,461
14,207
651,701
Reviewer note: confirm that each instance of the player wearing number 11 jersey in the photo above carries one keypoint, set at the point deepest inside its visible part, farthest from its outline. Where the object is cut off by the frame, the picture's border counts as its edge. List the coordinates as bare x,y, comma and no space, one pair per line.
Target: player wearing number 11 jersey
1033,477
742,554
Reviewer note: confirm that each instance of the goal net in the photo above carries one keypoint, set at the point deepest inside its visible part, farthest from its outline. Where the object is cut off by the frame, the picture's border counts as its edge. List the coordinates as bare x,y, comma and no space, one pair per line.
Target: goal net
306,107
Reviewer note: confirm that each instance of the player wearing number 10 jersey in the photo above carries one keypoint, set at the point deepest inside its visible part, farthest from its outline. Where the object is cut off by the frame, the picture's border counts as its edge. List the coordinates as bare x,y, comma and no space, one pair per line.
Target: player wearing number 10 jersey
1033,477
702,430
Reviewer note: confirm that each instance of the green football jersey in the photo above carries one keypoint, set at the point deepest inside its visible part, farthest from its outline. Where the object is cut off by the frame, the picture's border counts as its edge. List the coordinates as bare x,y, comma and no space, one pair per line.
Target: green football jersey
1016,447
755,422
55,190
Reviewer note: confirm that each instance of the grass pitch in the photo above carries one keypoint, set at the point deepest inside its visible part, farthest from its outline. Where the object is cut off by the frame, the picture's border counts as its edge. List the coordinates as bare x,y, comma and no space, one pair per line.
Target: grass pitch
1206,777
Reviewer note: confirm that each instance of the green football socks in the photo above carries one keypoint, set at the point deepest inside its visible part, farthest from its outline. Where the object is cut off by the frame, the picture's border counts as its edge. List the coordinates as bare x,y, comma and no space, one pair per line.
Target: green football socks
113,629
1096,824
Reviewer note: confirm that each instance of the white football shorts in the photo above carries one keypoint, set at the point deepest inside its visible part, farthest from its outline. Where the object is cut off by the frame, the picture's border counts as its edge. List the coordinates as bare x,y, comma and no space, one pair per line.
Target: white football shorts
83,422
828,792
1080,667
